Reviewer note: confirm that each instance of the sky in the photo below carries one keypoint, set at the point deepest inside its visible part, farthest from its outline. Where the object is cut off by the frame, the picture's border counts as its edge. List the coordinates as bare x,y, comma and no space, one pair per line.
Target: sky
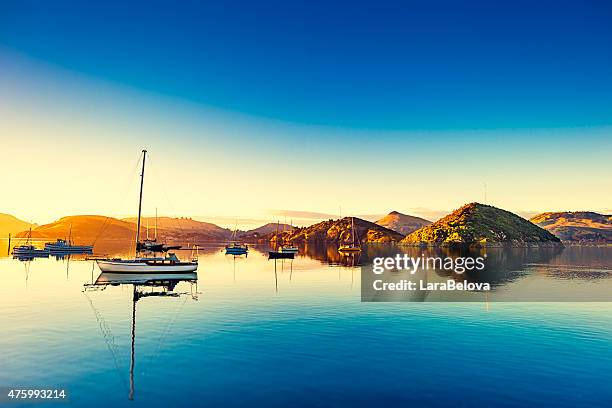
265,110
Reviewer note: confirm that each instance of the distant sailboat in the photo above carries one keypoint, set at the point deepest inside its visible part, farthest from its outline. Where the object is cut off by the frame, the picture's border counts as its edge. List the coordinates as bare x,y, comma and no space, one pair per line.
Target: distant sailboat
168,264
288,247
279,253
64,246
28,250
354,245
234,247
151,245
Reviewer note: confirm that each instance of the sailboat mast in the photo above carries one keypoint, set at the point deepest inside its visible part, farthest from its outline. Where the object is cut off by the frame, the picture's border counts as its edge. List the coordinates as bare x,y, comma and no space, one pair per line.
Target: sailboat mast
353,230
144,158
155,223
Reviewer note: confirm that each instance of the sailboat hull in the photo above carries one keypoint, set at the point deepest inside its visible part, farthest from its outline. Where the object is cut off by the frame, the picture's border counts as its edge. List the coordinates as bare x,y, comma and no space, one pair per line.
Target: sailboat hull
236,251
349,249
138,266
280,255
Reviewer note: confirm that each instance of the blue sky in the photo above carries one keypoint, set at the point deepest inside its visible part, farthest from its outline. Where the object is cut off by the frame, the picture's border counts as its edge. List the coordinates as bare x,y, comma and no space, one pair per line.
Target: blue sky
375,65
420,102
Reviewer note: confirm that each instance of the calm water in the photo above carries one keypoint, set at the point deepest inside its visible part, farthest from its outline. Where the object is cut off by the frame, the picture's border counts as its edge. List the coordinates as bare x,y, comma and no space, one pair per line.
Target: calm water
247,333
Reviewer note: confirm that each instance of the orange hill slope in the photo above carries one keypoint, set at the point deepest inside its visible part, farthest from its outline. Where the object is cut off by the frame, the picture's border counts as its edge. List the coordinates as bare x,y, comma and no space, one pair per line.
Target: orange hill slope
85,229
402,223
580,226
170,228
12,225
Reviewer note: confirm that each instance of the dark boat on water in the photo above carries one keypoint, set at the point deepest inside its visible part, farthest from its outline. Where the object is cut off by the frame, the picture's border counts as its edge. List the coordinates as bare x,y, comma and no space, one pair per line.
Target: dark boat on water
29,251
280,255
61,245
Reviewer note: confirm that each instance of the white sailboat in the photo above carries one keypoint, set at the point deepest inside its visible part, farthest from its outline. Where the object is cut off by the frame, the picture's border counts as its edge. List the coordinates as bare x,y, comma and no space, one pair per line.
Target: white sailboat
288,247
167,264
354,245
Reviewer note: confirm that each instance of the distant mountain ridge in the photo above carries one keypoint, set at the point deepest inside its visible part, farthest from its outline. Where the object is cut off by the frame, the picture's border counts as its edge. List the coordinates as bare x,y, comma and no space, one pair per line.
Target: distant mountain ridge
265,232
402,223
10,224
480,224
181,228
85,229
340,231
578,227
472,223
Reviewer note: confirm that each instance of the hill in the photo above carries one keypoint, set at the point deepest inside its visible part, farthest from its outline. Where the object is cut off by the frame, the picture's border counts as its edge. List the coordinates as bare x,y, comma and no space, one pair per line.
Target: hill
85,229
479,224
340,231
12,225
402,223
584,227
265,232
183,228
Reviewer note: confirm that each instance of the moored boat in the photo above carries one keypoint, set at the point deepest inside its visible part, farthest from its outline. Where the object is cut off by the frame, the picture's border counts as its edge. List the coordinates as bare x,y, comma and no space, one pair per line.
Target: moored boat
280,255
29,251
278,252
167,264
150,246
353,246
61,245
234,247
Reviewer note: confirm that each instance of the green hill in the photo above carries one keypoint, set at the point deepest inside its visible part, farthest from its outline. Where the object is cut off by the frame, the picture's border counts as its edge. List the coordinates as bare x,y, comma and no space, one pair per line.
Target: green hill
479,224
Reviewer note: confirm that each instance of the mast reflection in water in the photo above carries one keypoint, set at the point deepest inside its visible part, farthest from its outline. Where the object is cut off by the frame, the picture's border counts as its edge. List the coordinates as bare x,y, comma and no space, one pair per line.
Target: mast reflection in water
143,285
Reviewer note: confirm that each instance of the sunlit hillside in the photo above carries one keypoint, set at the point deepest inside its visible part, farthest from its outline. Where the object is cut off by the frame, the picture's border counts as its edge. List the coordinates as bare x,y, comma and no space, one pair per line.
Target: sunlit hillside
85,229
12,225
579,226
402,223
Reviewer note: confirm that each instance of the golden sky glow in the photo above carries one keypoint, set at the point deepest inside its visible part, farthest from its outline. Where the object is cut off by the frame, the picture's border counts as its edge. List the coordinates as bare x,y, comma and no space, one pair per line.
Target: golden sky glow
70,145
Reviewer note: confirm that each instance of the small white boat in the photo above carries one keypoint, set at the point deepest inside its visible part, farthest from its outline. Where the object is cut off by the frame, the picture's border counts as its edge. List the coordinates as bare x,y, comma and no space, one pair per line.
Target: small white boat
353,246
168,264
289,249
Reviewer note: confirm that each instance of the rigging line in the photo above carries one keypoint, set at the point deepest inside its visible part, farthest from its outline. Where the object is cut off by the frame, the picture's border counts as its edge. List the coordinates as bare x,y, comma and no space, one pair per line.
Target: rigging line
158,181
108,339
124,196
166,331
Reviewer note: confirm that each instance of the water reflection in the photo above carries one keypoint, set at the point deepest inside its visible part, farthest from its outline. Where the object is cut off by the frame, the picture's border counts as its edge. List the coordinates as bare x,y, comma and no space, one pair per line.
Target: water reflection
290,320
143,286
